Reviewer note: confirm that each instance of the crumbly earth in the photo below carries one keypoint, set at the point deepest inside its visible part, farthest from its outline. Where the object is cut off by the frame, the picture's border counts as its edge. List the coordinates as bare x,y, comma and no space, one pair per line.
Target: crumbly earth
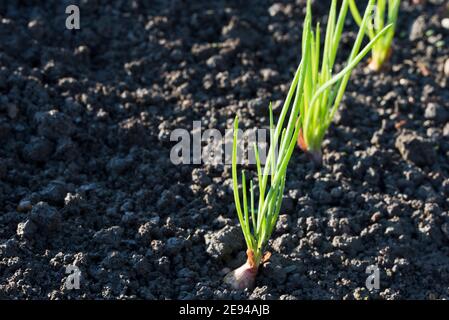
86,177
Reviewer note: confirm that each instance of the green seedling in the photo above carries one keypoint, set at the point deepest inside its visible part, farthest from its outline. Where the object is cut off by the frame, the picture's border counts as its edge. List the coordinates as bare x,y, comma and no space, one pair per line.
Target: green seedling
258,224
310,104
323,91
381,50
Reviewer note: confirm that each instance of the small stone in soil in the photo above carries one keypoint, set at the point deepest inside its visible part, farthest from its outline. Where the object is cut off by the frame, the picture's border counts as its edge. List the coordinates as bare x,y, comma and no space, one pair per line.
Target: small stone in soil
418,28
221,244
53,124
73,202
415,148
200,177
436,112
38,150
282,243
45,216
118,165
174,245
275,272
26,229
349,244
110,236
445,23
55,193
24,205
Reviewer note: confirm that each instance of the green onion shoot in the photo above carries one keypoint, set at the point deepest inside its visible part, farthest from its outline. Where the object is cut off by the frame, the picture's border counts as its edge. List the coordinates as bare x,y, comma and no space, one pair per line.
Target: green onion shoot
323,91
381,50
258,223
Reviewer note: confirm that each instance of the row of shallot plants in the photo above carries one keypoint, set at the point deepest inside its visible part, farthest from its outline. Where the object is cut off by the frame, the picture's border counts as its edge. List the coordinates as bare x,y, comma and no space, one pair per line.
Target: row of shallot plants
311,103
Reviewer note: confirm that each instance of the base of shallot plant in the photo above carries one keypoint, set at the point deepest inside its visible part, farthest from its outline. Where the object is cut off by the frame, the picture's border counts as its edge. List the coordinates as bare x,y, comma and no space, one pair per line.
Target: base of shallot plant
243,277
374,66
377,66
315,156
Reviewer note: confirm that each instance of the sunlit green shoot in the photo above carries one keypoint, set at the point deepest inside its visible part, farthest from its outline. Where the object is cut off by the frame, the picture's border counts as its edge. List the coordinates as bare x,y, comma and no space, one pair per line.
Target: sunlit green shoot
323,90
386,12
258,223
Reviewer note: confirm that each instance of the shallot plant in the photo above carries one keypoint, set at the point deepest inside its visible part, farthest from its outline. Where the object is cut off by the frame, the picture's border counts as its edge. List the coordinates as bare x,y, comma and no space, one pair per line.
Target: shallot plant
323,91
381,50
258,224
311,101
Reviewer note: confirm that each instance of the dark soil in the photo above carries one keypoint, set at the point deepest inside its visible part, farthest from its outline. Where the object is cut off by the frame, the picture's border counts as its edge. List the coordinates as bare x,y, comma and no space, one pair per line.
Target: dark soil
86,177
